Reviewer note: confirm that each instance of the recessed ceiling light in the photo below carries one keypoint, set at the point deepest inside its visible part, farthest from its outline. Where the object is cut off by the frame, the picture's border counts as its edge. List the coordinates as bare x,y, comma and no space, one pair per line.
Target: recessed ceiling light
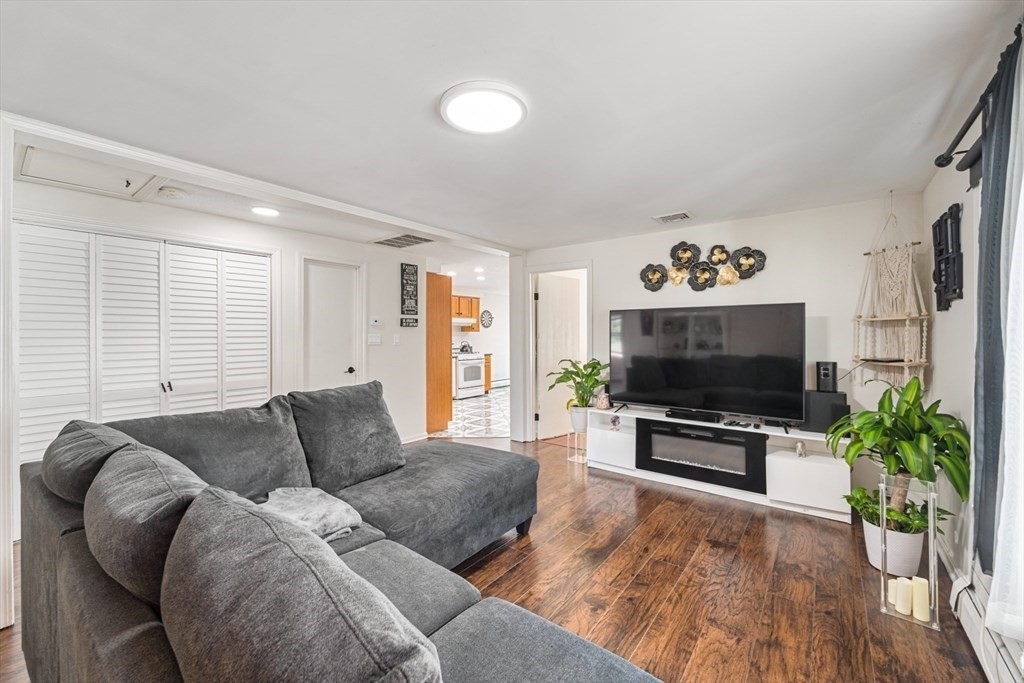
478,269
265,211
482,107
452,273
480,277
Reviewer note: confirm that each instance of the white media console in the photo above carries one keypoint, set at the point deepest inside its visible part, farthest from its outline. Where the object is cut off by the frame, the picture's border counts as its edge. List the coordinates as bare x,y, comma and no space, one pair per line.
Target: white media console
812,485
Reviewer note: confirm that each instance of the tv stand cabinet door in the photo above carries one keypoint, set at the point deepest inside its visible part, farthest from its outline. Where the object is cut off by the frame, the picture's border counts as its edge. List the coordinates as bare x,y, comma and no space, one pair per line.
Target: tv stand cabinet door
611,448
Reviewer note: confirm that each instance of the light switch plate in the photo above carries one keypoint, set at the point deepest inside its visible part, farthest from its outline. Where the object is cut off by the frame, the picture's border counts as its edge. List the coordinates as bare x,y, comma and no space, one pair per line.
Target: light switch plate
396,339
373,339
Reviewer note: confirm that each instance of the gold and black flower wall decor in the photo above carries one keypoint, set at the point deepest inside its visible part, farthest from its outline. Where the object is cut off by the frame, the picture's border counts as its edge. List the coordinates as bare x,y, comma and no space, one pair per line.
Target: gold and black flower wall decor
720,266
654,277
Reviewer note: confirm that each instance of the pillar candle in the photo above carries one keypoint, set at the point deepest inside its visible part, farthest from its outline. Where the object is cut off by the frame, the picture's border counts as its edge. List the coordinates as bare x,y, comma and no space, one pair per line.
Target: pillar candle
921,599
904,595
891,593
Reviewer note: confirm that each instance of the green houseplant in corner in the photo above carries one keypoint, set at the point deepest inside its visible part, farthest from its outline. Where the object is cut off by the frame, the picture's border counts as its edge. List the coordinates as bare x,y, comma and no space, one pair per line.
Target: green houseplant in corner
584,379
909,441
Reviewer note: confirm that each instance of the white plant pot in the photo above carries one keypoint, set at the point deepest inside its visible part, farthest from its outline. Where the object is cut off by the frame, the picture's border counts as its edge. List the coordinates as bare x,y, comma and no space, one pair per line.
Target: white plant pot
578,417
903,554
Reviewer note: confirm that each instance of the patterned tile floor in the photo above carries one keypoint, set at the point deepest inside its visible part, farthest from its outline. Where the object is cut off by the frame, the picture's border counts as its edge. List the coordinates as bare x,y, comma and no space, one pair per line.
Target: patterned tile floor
484,416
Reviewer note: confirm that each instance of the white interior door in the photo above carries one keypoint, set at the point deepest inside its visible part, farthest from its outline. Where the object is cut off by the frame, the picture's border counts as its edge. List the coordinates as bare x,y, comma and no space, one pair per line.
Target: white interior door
55,345
129,325
246,299
330,296
194,342
559,336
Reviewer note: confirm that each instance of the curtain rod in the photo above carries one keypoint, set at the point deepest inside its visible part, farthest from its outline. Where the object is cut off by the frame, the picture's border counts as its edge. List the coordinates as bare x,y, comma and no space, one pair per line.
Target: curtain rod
946,158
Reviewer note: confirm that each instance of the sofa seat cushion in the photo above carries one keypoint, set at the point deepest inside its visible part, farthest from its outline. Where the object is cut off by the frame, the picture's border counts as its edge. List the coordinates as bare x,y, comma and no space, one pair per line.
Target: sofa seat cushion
75,457
250,596
450,499
364,534
250,451
497,642
106,633
132,511
347,433
427,594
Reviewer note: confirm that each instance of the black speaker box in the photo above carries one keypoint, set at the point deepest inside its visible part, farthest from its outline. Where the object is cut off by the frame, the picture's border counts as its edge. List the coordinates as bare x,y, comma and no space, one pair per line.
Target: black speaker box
826,374
822,408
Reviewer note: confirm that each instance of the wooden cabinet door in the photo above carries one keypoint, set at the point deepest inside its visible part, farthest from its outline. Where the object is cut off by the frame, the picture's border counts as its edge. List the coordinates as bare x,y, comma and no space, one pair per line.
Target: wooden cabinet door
487,373
471,308
456,306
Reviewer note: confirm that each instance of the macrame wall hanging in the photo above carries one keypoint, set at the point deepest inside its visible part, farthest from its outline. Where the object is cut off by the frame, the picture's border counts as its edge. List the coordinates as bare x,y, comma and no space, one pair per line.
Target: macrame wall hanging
890,329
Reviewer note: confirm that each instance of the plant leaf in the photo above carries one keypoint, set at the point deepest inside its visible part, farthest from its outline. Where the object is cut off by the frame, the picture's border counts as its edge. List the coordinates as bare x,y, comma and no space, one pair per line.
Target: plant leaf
957,473
926,447
908,453
853,452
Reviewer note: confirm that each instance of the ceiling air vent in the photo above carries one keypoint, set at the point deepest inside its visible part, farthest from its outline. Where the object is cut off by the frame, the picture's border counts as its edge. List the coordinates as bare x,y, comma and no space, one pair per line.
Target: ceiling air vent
402,241
671,217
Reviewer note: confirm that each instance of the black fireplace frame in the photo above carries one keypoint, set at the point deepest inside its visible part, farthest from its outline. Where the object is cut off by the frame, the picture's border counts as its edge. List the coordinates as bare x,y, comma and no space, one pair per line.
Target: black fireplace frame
754,445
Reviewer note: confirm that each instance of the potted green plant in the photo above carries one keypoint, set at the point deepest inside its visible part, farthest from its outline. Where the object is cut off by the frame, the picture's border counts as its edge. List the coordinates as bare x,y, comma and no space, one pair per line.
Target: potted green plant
909,441
584,379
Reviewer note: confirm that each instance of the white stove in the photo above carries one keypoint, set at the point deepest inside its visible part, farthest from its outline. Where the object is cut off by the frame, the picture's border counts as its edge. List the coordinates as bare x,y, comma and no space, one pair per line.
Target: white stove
467,374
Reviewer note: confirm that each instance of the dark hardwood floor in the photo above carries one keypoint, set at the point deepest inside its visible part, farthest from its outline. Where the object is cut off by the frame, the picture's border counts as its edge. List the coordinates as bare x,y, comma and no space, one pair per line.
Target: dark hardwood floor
694,587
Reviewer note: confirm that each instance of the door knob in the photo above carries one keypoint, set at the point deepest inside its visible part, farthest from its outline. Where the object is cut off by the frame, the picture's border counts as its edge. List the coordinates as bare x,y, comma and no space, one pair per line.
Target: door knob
350,370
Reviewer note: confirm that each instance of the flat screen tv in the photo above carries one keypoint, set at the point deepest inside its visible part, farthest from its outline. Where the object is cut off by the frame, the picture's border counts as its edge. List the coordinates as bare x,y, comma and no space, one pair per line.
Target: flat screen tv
735,360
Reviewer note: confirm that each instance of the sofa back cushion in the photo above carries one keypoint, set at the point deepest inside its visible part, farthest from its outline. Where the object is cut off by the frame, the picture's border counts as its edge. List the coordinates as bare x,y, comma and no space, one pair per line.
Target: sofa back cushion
250,451
131,513
250,596
73,459
347,433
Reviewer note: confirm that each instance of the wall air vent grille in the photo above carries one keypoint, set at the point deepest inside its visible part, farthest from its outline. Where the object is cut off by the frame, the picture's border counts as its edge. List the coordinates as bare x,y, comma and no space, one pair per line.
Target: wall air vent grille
671,217
402,241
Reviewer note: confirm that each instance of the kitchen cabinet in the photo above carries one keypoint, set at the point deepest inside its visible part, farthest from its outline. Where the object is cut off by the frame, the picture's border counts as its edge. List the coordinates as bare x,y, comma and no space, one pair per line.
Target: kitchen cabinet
487,373
467,307
462,306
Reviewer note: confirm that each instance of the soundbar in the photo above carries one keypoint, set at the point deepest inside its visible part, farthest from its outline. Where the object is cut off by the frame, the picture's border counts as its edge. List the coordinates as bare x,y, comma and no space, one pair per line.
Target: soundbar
689,414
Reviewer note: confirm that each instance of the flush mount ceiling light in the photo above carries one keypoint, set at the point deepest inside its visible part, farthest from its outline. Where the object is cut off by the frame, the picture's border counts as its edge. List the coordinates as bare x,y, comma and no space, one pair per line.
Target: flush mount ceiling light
478,269
482,107
481,278
452,273
265,211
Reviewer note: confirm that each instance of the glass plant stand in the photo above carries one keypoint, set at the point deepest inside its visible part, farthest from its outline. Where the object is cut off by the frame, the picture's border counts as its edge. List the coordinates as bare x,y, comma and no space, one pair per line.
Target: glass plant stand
909,583
576,453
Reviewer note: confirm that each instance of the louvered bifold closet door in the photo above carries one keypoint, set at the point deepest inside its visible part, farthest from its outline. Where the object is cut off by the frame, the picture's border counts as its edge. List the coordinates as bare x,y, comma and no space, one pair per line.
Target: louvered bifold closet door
54,334
195,340
246,287
129,327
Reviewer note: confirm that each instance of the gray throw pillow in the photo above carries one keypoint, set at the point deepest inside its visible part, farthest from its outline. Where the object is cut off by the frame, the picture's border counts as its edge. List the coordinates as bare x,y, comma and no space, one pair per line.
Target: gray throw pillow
73,459
347,433
246,450
250,596
131,513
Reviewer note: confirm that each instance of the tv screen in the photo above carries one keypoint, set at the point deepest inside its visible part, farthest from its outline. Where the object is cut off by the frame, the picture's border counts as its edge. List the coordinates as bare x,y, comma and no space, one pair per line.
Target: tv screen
738,360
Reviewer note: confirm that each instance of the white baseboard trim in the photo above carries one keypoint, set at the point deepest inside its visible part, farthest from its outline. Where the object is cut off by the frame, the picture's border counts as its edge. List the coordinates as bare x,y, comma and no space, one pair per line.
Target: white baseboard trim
413,439
496,383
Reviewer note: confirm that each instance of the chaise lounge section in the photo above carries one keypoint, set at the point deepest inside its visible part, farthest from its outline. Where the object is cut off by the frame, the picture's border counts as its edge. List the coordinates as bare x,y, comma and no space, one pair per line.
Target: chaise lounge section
109,503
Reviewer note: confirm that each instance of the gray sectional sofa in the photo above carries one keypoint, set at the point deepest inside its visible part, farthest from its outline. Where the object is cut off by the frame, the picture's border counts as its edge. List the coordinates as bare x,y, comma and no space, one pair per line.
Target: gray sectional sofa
146,555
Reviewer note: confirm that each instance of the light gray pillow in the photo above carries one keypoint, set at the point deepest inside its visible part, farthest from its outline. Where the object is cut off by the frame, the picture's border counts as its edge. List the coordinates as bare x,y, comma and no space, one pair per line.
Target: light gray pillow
246,450
250,596
347,433
131,513
74,458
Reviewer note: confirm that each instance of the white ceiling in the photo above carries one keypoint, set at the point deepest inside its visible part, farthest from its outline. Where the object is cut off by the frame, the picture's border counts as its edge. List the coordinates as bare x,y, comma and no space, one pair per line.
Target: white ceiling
448,258
721,109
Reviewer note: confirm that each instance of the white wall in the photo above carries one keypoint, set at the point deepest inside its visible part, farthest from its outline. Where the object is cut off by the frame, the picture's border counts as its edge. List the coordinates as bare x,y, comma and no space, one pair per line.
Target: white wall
952,337
401,368
814,256
493,339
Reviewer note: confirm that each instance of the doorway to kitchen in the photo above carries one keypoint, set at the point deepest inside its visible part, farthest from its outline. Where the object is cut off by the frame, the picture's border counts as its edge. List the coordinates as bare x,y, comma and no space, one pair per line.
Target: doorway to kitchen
474,316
